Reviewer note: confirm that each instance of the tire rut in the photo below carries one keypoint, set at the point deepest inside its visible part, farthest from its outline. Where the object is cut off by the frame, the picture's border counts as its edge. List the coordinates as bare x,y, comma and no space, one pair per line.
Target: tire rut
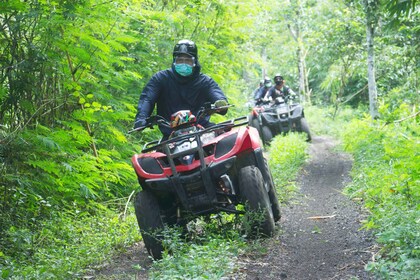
319,236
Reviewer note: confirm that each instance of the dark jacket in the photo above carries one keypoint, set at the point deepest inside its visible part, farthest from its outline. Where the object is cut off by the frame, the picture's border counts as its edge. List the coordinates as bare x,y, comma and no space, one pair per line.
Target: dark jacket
173,92
261,92
284,91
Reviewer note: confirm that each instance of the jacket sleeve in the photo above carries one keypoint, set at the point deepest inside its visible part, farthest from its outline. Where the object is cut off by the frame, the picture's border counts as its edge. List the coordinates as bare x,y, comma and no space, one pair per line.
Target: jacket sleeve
148,99
289,91
215,91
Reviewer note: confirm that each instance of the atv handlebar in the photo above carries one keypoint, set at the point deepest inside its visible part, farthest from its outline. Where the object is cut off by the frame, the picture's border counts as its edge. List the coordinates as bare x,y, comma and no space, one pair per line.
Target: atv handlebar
206,110
209,109
152,121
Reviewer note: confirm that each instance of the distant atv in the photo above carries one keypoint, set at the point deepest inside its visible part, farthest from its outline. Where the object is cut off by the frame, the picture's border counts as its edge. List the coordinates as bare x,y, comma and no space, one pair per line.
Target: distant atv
200,171
278,117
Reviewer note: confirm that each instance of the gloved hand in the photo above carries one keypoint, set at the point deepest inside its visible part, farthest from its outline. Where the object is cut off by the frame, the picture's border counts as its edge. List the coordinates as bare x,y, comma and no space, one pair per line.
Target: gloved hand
220,103
139,123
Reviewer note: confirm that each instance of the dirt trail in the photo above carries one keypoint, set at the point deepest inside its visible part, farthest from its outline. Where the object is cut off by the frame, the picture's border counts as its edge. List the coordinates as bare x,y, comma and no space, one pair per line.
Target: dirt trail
328,247
331,246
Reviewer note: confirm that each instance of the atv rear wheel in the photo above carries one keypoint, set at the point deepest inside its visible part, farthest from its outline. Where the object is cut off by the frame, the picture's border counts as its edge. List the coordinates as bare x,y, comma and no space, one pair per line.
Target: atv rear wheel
259,215
267,135
305,128
150,222
272,194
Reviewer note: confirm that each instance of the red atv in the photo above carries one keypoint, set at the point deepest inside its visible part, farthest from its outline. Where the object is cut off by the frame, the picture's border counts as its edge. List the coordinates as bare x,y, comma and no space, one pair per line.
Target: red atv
201,171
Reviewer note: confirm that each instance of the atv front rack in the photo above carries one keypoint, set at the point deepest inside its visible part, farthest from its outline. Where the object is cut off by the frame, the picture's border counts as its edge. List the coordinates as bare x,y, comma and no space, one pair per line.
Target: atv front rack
223,126
204,174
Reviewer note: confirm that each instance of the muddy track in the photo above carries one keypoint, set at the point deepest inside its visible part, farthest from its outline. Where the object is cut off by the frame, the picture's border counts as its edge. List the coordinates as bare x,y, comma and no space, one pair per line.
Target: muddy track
318,237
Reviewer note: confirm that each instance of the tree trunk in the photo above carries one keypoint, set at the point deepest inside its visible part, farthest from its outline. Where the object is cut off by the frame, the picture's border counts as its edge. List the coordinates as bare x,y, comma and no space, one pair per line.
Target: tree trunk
300,52
301,69
371,8
373,95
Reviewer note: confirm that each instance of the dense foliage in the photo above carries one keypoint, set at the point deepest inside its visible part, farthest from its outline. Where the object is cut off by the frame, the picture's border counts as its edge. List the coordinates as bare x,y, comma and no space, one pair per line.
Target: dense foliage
71,73
386,176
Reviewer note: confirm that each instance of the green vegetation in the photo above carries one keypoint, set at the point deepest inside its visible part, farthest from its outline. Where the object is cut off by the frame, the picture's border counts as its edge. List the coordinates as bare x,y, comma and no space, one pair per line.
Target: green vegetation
70,77
208,255
325,121
386,176
66,245
286,156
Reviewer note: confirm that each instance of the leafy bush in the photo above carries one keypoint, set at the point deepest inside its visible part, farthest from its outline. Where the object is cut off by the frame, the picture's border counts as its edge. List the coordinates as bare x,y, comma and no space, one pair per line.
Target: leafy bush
386,178
63,248
209,255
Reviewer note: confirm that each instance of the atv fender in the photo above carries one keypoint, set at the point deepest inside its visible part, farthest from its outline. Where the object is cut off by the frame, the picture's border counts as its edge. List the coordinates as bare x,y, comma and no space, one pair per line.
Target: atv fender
296,112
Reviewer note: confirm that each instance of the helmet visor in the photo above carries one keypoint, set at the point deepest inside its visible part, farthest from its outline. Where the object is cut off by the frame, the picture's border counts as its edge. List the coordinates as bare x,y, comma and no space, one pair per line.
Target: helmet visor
185,59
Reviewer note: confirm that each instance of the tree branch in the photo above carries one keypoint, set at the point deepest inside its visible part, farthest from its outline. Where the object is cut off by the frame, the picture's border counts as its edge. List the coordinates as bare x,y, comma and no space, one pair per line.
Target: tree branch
406,118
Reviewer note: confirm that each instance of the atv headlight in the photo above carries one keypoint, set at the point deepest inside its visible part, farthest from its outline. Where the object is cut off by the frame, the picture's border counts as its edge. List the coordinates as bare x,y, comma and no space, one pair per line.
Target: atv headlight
150,165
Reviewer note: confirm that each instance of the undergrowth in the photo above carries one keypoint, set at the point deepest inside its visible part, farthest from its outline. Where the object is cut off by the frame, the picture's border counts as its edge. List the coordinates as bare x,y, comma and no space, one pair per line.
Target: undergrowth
386,177
286,155
65,245
210,254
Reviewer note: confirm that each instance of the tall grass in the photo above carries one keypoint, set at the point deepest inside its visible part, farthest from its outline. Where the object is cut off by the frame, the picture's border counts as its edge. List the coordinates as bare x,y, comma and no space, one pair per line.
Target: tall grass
286,155
66,245
386,177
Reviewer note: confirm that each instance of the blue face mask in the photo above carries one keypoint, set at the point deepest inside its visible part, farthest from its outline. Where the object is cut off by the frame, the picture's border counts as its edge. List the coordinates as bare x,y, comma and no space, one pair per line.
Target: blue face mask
183,69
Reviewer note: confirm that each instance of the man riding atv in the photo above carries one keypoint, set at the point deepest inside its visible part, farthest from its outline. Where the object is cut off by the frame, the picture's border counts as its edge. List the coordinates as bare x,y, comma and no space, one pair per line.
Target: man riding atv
198,168
279,90
182,87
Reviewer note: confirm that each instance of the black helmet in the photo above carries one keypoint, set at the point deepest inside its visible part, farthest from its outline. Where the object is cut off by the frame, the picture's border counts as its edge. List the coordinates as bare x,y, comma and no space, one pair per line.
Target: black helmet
278,79
185,47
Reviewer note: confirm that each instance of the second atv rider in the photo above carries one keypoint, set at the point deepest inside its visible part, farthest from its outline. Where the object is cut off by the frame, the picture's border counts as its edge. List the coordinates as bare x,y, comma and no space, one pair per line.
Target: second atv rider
181,87
279,90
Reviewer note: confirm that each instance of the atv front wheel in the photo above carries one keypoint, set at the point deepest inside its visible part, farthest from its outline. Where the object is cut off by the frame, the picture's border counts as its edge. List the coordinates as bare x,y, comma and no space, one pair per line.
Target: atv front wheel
267,135
259,215
305,128
150,222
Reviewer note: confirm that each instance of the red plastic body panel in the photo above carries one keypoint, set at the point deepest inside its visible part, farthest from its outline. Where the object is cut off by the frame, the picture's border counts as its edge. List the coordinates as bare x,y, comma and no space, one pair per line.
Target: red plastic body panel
247,139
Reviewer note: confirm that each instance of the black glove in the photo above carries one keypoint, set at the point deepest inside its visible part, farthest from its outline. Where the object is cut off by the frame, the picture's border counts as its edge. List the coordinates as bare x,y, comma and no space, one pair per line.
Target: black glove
139,123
